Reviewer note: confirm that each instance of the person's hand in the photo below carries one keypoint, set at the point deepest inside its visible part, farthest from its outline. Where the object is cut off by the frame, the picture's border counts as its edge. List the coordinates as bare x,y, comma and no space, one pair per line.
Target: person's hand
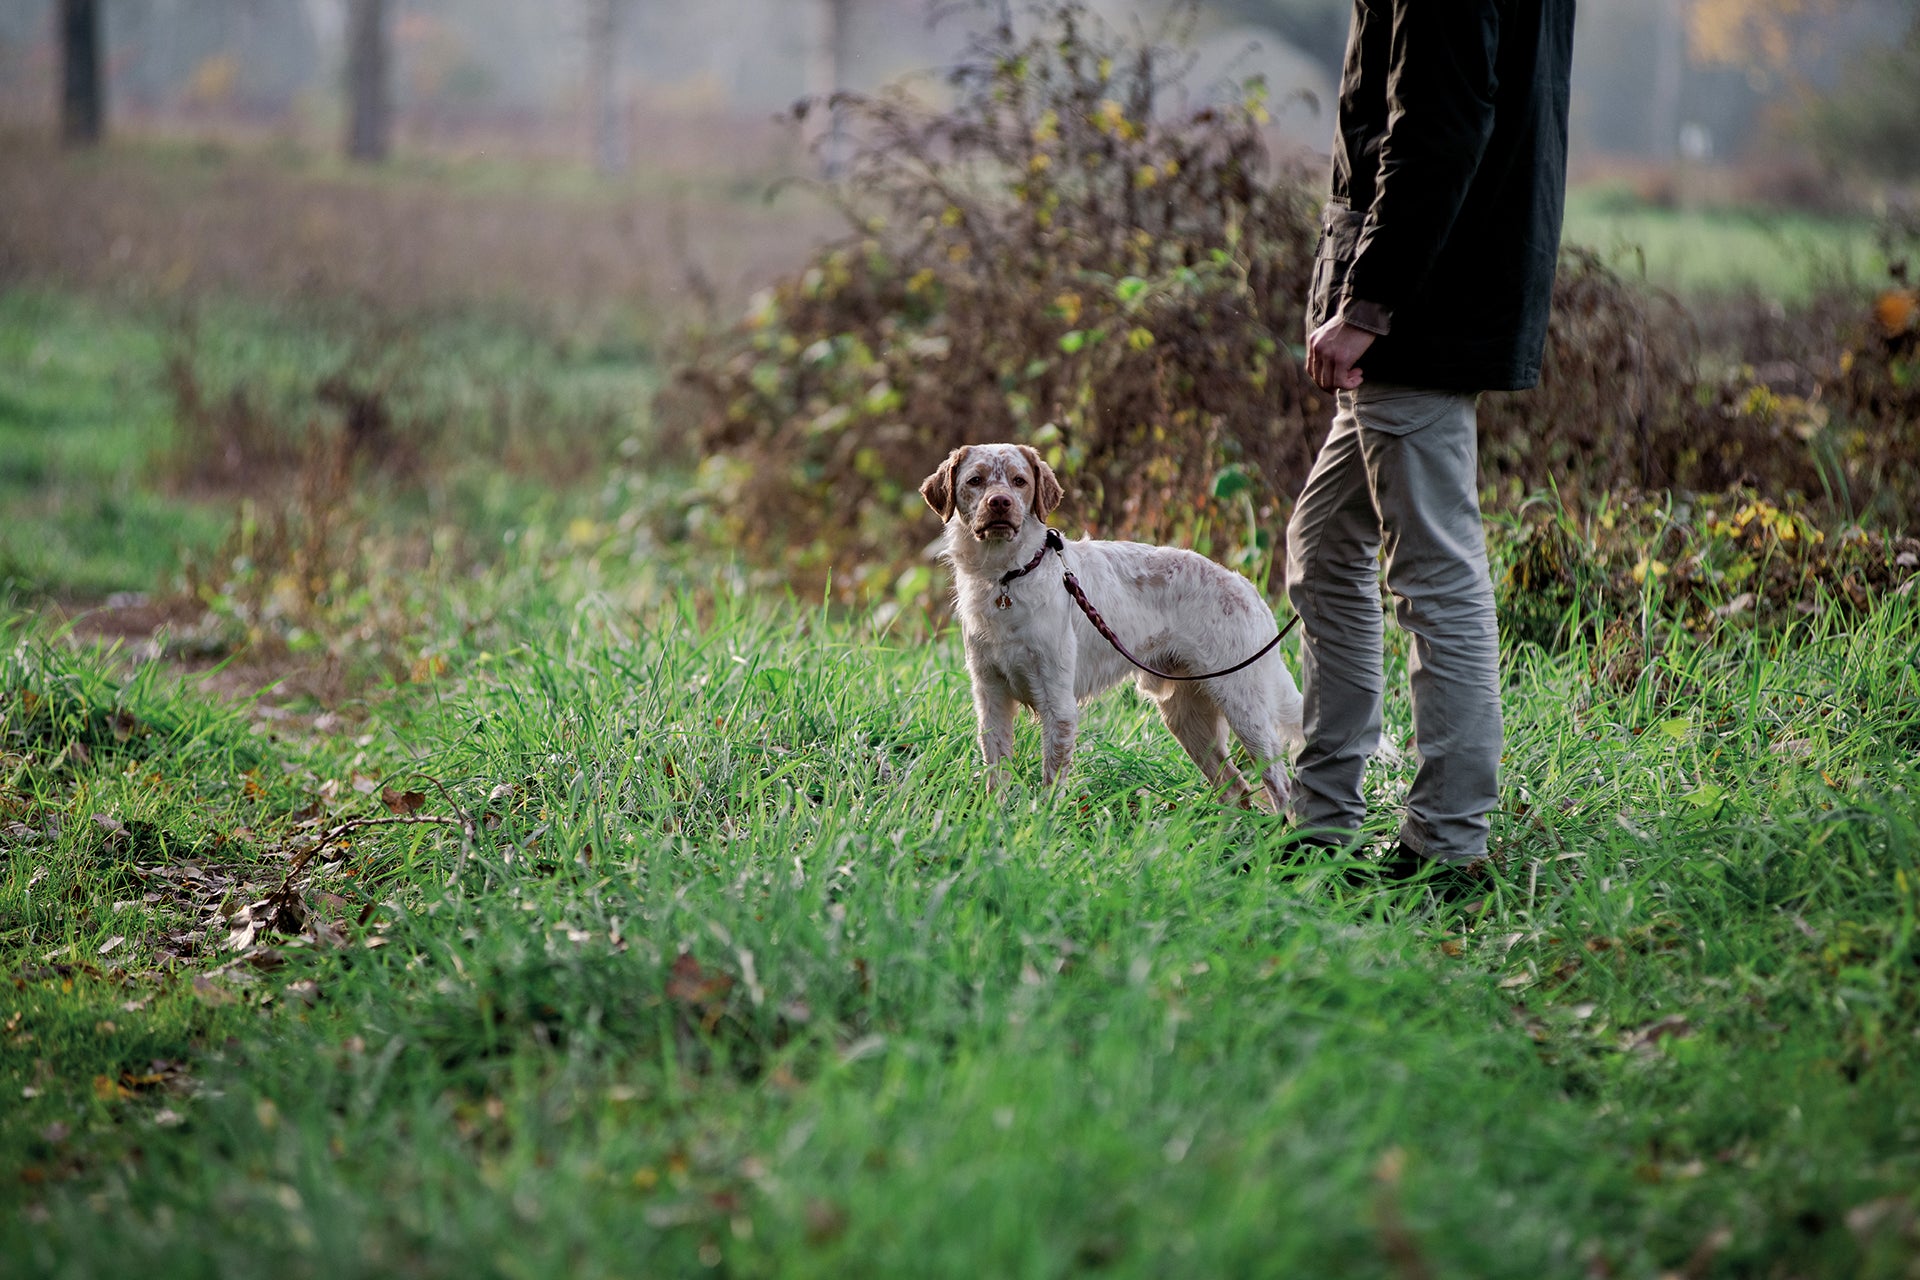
1333,351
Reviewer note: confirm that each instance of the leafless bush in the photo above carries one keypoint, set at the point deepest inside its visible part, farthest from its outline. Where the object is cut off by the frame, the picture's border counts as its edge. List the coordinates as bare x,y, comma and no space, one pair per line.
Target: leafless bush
1059,257
361,458
244,433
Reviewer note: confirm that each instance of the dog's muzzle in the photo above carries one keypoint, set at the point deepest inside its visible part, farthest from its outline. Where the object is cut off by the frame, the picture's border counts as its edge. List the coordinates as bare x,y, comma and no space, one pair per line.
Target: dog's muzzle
997,518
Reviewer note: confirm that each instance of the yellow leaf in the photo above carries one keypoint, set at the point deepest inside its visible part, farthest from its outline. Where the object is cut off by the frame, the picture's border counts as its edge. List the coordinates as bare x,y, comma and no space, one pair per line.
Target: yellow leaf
1896,310
425,669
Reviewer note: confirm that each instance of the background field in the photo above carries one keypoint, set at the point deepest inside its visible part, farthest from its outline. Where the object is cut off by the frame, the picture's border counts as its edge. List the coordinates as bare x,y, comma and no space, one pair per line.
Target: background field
1776,254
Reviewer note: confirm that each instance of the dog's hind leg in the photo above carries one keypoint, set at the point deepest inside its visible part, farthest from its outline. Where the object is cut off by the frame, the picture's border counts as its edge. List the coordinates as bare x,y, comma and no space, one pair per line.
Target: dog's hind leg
1197,722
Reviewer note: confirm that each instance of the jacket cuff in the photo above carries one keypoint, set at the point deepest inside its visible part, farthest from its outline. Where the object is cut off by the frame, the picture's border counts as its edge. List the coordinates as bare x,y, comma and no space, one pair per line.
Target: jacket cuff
1370,316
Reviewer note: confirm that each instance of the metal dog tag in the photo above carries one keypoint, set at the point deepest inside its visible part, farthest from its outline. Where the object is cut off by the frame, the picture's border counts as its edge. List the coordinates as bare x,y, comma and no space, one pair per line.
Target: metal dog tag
1003,601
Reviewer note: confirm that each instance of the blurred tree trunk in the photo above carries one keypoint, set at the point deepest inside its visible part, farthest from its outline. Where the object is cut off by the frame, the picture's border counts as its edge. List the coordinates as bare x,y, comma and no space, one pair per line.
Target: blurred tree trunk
833,50
606,101
1669,72
369,100
83,81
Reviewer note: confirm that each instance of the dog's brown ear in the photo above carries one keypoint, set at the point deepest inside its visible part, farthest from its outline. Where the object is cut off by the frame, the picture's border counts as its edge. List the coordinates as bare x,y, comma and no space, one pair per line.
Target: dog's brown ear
1046,486
937,488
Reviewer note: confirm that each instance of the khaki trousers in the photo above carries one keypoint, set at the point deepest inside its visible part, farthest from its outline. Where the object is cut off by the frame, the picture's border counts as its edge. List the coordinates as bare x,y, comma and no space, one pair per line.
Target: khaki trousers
1399,473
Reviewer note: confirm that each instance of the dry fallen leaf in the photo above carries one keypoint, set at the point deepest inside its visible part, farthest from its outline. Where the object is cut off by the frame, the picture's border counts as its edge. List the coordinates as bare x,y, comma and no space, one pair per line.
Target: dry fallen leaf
210,991
688,983
1739,604
402,802
1647,1039
282,911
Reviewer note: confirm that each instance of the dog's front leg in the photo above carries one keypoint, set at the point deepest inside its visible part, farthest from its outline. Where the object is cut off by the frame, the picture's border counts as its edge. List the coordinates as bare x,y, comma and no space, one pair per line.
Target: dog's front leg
1059,715
994,708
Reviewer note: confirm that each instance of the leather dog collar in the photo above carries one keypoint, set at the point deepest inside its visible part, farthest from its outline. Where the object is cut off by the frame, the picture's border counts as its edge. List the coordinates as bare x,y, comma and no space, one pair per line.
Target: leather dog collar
1052,542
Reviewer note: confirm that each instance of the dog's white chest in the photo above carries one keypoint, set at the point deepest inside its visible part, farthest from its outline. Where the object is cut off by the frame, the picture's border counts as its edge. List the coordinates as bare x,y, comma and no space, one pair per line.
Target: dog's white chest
1022,647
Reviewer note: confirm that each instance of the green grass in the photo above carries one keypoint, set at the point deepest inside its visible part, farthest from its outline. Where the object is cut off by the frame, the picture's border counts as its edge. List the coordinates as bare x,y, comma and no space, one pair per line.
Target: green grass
1780,255
82,414
741,970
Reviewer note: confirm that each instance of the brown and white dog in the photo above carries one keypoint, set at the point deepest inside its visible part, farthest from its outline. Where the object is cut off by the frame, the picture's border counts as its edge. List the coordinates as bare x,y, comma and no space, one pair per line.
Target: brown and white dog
1028,644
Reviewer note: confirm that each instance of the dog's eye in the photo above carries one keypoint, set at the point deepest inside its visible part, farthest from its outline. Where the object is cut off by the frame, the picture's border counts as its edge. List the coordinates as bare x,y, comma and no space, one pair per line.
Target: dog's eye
1019,482
974,482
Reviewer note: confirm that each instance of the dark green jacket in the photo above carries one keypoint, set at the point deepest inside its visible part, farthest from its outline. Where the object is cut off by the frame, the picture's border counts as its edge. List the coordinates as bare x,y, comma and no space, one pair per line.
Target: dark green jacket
1449,177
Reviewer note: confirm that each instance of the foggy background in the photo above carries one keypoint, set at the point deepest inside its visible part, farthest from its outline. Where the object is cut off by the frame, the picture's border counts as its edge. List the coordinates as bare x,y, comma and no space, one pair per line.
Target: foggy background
1654,78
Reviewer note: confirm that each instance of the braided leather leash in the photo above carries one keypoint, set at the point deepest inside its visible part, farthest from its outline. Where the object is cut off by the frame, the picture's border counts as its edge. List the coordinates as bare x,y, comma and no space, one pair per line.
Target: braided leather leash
1055,543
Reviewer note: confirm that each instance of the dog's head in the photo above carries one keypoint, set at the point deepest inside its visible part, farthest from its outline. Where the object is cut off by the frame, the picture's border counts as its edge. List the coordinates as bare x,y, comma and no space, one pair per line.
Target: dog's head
993,488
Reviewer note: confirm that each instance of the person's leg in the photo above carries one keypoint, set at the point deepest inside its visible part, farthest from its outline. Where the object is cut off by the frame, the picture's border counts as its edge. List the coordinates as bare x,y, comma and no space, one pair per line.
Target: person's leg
1426,485
1333,583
